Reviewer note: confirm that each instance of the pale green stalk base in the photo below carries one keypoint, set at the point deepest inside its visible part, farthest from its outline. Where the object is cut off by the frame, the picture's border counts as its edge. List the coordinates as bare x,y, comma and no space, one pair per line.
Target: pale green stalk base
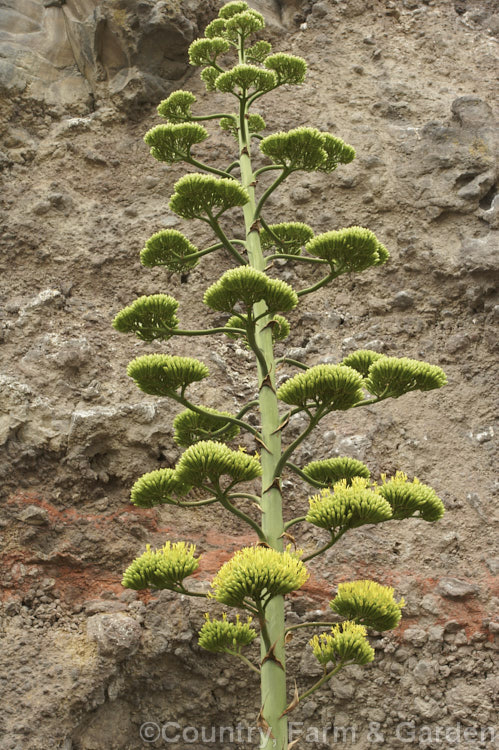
273,671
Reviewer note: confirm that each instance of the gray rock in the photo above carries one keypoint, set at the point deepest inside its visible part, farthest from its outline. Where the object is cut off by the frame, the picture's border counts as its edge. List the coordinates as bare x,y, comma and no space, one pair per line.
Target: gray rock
425,672
478,187
482,434
428,709
403,300
491,215
71,54
416,636
42,207
34,516
457,343
480,254
319,10
102,606
493,565
471,111
116,635
455,588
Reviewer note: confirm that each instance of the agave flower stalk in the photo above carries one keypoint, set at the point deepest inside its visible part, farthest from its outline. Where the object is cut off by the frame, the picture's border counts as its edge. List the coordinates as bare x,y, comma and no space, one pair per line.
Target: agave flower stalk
257,578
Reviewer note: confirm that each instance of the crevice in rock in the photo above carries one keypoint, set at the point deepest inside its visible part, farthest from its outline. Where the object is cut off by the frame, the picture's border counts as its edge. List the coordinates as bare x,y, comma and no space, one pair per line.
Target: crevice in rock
487,200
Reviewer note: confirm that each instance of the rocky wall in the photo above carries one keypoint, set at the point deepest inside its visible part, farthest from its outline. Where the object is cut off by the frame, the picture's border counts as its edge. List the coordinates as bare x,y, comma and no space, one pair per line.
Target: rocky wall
411,85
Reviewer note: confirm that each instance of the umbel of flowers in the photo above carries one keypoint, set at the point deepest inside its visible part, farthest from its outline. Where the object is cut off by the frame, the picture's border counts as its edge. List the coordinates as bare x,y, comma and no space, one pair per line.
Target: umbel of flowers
213,468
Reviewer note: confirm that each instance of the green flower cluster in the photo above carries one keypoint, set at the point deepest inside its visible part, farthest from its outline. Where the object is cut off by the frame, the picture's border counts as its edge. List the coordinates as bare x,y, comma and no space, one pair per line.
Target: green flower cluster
329,471
257,574
331,386
222,636
410,498
171,249
288,237
255,124
347,644
307,149
348,507
279,325
369,603
361,360
177,107
348,250
198,195
164,568
172,143
150,318
162,374
393,376
248,285
207,461
160,487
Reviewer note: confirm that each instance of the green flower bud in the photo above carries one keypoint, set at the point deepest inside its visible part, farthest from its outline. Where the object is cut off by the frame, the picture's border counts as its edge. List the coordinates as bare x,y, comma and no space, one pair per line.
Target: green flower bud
247,285
288,237
338,152
333,470
347,644
334,386
209,76
301,148
243,79
168,248
208,461
348,507
172,143
348,250
215,28
160,487
177,107
288,68
368,603
258,52
394,376
206,51
230,9
164,568
149,318
222,636
245,23
196,195
361,360
410,498
258,574
162,375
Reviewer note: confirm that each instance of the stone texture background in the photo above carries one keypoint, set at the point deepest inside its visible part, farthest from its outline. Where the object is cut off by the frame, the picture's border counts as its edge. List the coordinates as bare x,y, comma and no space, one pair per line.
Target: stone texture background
411,85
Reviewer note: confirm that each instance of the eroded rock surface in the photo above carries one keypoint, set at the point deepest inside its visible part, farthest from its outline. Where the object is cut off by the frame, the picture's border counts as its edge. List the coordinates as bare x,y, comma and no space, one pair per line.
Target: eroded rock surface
74,53
412,86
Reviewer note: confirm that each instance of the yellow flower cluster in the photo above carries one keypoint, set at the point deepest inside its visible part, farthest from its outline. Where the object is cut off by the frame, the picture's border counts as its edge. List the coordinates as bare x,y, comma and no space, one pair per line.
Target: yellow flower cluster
258,574
347,644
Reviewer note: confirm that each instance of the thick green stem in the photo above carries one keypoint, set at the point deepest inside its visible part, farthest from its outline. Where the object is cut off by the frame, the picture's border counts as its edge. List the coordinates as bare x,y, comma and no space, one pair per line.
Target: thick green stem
219,418
325,547
294,521
239,513
207,168
213,222
317,286
327,676
273,674
304,476
294,445
244,659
